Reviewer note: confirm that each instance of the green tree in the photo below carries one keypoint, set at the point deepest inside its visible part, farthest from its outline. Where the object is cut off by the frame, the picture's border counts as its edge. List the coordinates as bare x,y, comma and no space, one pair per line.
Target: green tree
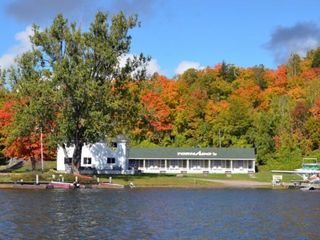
293,65
259,76
89,87
316,59
228,72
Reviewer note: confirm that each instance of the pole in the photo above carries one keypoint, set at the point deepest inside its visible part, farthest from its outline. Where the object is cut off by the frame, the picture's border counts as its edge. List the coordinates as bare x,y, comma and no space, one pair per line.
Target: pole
41,148
219,138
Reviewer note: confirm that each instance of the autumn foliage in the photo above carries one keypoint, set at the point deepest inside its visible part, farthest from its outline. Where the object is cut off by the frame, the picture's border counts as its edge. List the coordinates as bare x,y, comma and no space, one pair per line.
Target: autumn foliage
276,111
26,147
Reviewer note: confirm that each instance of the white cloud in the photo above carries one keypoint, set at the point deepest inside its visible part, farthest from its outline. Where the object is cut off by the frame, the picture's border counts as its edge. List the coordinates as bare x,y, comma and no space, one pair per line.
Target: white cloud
152,67
23,45
185,65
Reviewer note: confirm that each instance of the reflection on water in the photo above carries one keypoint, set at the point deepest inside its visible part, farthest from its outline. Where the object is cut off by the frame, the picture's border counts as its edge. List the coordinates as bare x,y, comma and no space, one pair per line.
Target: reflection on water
159,214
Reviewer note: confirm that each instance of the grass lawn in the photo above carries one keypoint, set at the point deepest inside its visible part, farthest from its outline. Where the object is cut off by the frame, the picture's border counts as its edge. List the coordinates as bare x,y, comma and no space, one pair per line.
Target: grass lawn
139,180
189,180
265,176
163,181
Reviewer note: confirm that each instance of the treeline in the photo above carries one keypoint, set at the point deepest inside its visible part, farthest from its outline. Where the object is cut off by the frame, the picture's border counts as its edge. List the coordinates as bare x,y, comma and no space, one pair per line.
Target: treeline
275,111
71,89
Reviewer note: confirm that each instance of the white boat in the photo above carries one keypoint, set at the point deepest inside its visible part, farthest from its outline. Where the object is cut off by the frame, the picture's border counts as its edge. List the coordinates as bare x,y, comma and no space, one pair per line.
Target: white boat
312,186
310,170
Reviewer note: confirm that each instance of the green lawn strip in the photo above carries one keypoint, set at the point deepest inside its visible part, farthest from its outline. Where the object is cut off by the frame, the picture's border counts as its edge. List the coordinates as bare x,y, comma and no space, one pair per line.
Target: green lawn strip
163,181
259,177
139,180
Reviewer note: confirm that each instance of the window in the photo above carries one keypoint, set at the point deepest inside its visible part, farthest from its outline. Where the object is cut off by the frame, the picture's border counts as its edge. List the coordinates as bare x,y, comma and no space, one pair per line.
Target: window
86,160
111,160
67,160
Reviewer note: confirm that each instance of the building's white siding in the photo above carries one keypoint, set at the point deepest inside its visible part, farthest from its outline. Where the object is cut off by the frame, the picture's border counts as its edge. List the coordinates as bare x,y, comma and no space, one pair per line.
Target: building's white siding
98,154
61,155
175,166
104,159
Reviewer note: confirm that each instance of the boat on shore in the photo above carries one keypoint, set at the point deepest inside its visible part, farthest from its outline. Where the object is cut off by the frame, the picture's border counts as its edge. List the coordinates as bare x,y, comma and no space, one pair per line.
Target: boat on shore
76,185
312,186
309,170
63,185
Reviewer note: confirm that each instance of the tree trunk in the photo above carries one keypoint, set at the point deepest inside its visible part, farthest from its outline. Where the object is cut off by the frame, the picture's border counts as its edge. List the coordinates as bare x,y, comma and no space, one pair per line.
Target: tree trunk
76,158
33,164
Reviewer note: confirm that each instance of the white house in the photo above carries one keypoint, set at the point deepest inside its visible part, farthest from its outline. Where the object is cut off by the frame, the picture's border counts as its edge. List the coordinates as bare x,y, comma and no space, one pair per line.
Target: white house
98,156
121,160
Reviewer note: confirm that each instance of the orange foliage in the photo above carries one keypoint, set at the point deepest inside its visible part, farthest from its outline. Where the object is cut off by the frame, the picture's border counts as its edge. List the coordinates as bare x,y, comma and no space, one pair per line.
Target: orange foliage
214,108
158,113
296,92
271,91
311,73
251,93
315,110
281,76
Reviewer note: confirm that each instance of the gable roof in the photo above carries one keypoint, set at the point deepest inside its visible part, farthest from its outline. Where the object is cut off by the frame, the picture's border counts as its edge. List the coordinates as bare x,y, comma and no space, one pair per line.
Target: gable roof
192,153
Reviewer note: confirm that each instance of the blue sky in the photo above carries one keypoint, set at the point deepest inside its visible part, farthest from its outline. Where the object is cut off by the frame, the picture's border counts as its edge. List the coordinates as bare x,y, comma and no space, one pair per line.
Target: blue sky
179,34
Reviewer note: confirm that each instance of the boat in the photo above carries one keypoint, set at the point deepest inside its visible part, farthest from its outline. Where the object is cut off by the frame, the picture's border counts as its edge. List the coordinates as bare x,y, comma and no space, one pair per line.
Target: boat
63,185
309,170
310,173
314,185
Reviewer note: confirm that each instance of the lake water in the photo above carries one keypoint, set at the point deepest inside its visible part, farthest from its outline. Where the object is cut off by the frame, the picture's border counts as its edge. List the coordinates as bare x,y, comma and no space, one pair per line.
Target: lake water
159,214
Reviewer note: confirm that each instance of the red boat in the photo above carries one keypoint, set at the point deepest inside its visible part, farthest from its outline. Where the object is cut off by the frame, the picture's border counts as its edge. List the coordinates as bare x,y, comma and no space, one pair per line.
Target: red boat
63,185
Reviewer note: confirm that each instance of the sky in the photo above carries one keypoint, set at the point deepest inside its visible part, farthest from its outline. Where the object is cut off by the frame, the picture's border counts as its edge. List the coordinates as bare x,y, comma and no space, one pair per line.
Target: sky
181,34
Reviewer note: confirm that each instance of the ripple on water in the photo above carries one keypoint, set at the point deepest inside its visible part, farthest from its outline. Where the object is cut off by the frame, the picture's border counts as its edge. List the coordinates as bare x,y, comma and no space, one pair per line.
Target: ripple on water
159,214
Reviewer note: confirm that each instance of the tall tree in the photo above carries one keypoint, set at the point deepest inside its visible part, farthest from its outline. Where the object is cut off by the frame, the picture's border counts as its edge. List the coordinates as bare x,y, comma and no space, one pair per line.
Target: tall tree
293,65
316,59
259,76
89,86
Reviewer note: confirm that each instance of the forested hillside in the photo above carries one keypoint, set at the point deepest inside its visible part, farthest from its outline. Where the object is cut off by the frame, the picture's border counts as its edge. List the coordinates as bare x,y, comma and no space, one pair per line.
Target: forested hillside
71,89
275,111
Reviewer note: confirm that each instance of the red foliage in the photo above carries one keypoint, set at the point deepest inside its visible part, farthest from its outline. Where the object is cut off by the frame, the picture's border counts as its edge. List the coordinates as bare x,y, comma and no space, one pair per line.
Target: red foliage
22,147
27,148
6,113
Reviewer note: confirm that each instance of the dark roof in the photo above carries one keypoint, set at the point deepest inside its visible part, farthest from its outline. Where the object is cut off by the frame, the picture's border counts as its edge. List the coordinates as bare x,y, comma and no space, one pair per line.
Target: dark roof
191,153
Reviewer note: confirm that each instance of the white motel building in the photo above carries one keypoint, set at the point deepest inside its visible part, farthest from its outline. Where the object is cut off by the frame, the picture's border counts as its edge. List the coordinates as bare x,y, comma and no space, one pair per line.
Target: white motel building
120,159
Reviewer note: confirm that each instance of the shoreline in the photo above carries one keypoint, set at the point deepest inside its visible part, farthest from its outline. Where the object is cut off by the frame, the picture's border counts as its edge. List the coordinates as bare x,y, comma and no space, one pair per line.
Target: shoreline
198,184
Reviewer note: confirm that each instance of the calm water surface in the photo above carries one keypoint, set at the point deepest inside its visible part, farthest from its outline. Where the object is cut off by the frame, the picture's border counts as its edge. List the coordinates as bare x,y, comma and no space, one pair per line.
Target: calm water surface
159,214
